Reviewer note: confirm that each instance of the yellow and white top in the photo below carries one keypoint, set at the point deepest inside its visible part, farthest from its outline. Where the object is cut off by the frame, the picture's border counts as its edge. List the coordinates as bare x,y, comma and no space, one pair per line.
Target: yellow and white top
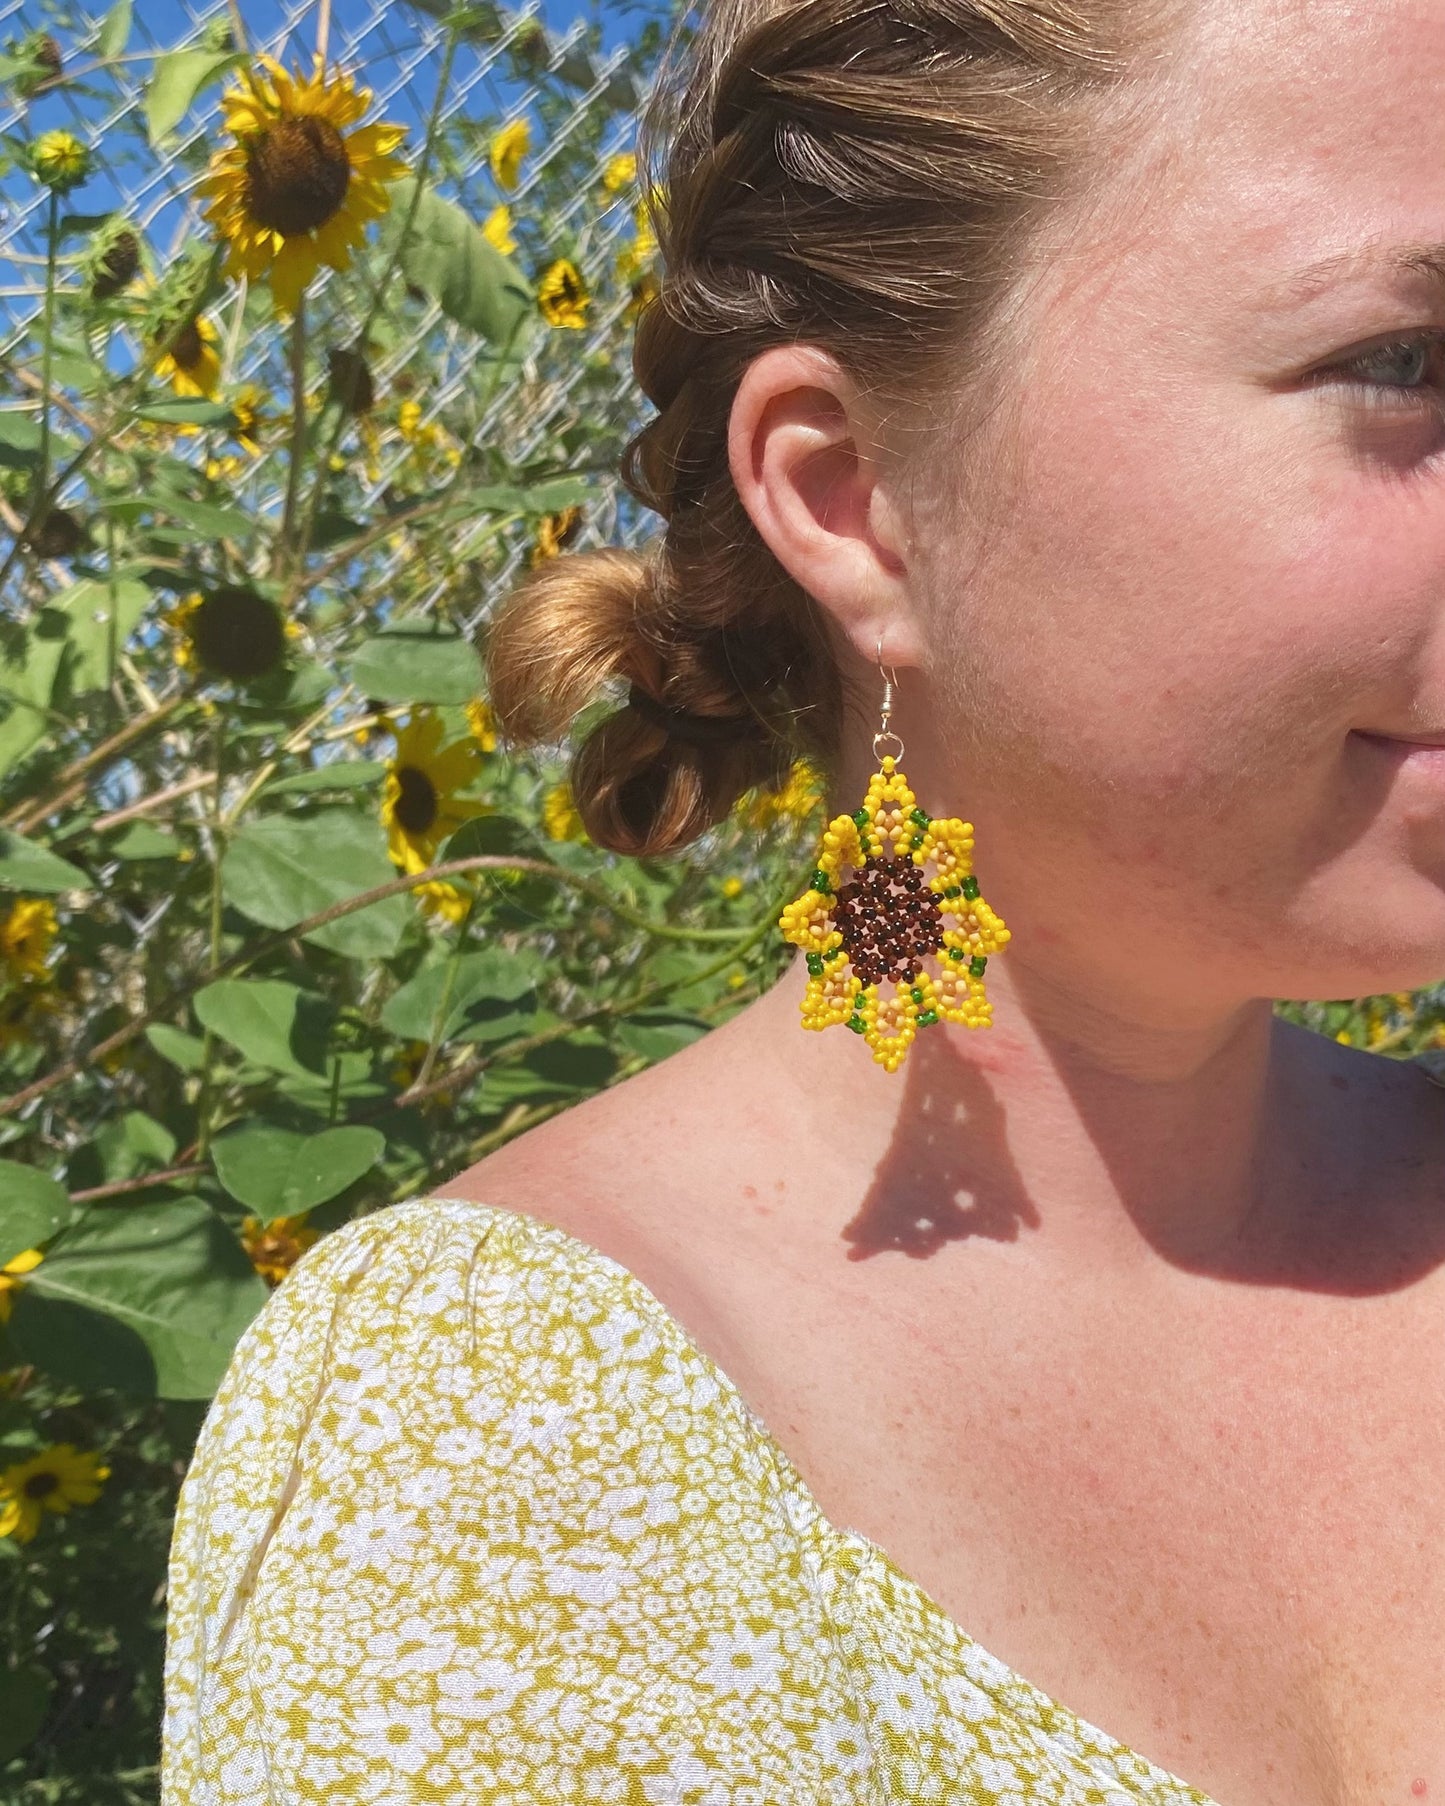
472,1520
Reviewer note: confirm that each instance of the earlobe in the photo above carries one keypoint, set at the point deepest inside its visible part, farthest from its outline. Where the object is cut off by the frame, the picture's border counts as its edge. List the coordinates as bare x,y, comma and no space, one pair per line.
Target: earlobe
804,457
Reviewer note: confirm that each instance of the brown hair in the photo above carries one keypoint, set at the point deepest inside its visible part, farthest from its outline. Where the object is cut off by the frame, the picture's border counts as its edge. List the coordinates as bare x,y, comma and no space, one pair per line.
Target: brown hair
861,176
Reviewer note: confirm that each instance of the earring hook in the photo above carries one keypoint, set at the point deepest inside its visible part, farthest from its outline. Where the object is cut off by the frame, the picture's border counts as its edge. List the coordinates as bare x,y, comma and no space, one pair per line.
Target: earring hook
890,678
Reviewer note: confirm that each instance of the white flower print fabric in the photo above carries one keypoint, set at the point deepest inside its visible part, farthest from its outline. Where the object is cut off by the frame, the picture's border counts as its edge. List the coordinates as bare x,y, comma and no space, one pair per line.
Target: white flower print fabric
472,1520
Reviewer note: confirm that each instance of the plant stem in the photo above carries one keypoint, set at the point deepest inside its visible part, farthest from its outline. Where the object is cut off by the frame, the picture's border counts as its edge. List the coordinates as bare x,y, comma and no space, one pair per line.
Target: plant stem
393,263
47,351
208,1044
284,547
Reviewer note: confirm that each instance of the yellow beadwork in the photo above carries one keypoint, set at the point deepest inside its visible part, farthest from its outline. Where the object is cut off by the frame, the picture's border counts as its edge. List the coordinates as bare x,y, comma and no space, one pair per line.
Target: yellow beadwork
890,1013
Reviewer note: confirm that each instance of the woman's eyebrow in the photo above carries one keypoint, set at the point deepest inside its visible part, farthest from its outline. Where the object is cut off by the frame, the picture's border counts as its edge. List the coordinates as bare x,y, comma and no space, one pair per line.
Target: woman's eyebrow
1371,259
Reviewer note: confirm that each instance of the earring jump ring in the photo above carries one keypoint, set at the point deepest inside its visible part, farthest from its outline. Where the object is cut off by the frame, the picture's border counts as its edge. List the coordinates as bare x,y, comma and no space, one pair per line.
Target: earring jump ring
887,734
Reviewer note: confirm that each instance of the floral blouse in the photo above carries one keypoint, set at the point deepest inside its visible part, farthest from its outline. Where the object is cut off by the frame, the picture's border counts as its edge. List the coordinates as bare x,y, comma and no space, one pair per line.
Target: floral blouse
472,1520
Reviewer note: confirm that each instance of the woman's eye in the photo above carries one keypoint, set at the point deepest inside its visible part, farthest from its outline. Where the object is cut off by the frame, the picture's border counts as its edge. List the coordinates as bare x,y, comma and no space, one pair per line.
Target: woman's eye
1391,374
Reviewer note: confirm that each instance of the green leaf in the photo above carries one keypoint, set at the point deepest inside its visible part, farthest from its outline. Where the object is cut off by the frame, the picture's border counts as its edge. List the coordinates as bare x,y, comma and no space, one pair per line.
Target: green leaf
131,1144
186,410
657,1033
488,977
205,519
24,1699
177,79
278,1173
19,440
114,30
447,257
27,685
582,1062
180,1049
277,1025
32,1207
140,840
411,664
87,607
536,498
163,1286
340,774
25,866
280,869
495,834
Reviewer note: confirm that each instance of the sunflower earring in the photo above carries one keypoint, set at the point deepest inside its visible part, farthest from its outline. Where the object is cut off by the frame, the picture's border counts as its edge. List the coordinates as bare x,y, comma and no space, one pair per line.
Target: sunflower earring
866,939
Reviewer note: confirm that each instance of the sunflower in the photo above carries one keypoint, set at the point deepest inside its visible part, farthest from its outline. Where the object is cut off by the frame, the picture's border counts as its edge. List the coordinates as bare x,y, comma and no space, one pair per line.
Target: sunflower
497,230
192,363
554,532
231,631
406,1070
53,1480
483,723
248,406
420,806
507,150
619,172
562,294
59,160
23,1010
10,1280
297,188
796,801
876,930
275,1247
27,933
560,816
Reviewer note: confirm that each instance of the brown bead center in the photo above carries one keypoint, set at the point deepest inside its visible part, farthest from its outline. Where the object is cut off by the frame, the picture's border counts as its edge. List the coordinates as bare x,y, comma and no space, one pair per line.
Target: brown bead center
41,1485
297,174
888,919
416,807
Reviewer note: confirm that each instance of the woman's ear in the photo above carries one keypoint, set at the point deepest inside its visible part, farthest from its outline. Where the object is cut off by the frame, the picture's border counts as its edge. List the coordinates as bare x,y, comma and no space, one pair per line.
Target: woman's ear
806,461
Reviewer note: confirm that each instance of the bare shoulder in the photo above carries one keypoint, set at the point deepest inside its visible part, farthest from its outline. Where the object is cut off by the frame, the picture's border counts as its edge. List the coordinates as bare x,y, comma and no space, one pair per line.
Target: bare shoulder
629,1169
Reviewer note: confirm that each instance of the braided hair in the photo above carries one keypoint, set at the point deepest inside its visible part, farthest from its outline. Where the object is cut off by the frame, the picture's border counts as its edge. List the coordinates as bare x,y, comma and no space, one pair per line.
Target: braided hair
865,177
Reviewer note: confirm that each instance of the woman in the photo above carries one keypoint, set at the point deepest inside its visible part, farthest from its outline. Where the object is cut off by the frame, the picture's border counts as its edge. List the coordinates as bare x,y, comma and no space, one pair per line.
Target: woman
1061,1414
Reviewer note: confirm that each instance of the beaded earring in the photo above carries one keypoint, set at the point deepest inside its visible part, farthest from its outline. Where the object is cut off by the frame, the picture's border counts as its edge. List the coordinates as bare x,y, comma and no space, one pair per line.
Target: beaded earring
866,939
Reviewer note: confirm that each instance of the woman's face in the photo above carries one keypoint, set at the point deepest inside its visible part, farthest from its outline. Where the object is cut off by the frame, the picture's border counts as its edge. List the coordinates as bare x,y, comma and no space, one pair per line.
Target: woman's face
1182,646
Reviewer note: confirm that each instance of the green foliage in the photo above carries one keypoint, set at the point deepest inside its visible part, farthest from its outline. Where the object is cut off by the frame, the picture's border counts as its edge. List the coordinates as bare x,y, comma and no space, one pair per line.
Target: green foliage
247,558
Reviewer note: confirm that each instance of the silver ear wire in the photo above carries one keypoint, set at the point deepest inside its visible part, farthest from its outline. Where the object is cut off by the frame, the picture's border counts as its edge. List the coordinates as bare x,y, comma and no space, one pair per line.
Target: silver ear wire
890,678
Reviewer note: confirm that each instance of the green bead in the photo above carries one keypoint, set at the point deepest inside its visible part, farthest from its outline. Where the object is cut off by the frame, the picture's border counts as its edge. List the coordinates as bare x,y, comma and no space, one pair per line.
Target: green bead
862,817
865,846
953,891
916,841
837,953
917,815
926,1018
857,1024
820,882
957,953
977,964
970,888
815,964
916,994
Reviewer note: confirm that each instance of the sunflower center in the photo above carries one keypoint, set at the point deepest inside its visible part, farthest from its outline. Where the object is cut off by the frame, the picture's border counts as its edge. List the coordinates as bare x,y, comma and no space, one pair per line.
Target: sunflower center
237,633
888,919
416,808
187,346
297,174
39,1485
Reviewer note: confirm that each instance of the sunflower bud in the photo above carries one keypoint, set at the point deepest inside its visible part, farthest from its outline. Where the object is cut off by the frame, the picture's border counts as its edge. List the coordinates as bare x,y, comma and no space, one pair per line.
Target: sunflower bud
117,264
46,65
59,160
350,385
